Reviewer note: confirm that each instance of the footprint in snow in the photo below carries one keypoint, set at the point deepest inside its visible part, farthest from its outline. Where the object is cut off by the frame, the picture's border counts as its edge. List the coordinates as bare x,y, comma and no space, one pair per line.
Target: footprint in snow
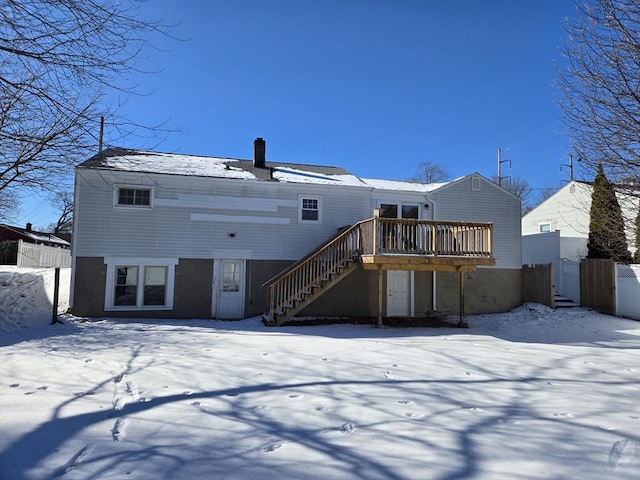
387,374
510,421
44,387
321,409
272,447
73,462
117,432
563,415
623,452
405,402
347,427
14,385
295,395
413,415
195,404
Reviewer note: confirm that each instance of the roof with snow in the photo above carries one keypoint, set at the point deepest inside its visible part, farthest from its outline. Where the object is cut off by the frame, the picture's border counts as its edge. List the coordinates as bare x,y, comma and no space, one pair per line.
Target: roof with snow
192,165
32,236
399,185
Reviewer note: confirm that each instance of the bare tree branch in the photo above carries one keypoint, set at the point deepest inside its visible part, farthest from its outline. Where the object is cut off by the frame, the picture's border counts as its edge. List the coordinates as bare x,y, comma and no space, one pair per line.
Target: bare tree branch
601,87
63,202
59,61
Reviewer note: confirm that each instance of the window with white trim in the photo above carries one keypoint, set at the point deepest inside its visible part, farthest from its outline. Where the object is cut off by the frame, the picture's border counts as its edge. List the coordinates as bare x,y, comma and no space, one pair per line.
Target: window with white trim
310,209
544,227
134,196
139,285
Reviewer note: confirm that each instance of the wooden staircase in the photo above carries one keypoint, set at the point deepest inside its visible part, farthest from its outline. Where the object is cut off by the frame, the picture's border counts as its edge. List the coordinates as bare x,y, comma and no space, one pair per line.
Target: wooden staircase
312,276
380,244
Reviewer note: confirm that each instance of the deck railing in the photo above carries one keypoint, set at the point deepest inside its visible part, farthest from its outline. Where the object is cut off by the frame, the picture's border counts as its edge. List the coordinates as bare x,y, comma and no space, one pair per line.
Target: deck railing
375,236
430,237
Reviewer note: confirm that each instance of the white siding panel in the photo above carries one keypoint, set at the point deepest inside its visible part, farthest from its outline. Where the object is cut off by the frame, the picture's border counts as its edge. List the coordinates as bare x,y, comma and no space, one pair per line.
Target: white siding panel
168,229
567,210
459,202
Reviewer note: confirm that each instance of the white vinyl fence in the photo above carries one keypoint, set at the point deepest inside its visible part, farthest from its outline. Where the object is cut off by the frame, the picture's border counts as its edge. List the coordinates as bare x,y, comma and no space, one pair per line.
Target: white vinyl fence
628,291
32,255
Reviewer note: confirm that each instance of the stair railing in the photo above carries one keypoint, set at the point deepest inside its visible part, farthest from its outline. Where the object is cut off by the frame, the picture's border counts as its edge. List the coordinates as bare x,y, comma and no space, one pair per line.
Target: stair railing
315,269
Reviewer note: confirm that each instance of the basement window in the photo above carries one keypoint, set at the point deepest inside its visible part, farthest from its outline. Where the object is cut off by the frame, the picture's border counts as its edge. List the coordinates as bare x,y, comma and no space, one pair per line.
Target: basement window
143,284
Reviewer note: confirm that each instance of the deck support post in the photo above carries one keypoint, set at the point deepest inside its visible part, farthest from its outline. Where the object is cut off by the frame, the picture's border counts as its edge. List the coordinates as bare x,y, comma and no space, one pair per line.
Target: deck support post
379,297
462,323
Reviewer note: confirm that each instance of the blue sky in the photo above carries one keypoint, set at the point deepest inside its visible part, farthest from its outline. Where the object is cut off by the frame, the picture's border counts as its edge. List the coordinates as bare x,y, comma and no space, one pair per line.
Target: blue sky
374,86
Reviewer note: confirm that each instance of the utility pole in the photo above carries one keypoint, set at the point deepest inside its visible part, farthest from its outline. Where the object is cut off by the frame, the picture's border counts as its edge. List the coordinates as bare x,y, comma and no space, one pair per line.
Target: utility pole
101,134
500,162
570,165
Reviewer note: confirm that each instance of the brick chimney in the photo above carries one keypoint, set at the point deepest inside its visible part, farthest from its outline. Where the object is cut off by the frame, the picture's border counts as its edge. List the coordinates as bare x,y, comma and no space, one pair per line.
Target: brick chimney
259,152
29,226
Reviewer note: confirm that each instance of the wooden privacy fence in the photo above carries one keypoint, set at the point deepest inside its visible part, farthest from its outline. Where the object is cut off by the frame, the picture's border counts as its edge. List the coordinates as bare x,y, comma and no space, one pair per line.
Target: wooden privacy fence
537,284
597,285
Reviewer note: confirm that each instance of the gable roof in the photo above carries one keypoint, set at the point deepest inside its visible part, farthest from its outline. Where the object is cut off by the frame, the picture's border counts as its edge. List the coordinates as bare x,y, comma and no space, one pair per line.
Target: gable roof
37,237
121,159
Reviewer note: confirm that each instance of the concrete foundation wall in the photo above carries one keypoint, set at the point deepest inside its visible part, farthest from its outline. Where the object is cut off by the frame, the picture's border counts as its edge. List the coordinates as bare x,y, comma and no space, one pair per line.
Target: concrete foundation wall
192,290
486,291
89,281
257,273
352,297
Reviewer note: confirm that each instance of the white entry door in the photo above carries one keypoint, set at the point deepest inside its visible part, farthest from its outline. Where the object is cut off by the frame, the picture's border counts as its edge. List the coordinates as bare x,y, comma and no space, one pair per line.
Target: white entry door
399,293
228,289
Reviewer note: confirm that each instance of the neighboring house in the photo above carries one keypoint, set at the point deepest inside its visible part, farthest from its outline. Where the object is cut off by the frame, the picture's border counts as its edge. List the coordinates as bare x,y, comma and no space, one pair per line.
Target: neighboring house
557,231
179,236
28,235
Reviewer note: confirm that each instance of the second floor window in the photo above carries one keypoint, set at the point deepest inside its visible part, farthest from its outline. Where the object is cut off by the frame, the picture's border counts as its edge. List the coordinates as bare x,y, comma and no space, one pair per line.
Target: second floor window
309,209
140,197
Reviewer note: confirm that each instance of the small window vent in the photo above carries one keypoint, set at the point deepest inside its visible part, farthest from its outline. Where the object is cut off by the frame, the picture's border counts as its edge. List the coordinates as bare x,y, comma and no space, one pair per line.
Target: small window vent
475,183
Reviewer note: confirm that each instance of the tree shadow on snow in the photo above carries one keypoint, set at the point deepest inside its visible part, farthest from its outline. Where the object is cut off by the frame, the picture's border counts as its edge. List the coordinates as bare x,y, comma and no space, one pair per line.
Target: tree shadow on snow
244,413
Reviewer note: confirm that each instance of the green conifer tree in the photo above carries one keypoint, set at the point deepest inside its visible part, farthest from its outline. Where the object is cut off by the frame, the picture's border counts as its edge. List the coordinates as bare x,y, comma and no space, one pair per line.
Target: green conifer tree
606,226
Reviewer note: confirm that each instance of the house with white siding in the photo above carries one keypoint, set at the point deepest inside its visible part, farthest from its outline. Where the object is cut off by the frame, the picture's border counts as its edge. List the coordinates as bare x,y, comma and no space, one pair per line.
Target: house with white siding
180,236
557,232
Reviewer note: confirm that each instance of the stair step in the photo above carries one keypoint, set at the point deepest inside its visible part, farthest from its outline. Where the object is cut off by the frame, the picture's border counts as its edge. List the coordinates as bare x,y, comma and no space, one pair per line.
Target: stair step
564,302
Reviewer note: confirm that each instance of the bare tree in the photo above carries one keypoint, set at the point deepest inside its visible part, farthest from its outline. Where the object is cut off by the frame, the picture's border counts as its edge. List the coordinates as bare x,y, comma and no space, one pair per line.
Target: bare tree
59,60
8,204
601,86
63,201
519,187
431,172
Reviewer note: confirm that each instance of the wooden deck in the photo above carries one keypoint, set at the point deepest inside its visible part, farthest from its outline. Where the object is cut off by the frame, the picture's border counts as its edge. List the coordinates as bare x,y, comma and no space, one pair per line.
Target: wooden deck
381,244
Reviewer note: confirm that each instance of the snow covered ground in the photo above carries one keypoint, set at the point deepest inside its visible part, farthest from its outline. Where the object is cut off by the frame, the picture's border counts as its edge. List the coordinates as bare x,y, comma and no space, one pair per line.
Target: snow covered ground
530,394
